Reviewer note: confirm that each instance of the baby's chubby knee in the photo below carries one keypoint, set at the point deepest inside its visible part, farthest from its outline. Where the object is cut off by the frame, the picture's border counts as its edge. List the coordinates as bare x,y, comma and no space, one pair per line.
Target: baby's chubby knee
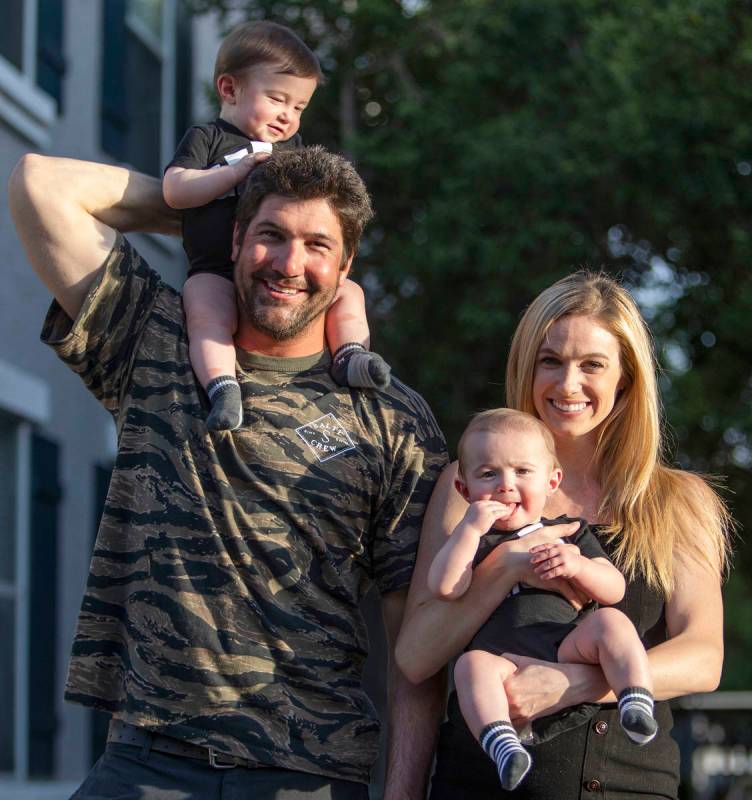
612,621
474,663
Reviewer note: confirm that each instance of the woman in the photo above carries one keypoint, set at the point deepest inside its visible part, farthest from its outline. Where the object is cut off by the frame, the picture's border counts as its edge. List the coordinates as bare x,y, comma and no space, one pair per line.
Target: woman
582,360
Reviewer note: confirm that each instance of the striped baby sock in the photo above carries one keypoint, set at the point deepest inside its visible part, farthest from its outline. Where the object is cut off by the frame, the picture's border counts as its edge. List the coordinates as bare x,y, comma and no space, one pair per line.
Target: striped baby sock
636,714
500,742
226,404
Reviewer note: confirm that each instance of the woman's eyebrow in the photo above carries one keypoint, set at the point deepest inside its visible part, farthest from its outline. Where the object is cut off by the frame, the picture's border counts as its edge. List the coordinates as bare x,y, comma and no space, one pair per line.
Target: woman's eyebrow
583,355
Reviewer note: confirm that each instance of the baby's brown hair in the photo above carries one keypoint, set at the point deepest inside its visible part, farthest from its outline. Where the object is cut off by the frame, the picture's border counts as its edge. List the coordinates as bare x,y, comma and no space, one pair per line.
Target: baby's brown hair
253,43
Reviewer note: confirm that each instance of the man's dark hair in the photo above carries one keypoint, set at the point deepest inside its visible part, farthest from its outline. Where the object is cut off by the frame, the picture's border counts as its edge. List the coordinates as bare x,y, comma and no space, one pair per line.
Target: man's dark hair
253,43
309,173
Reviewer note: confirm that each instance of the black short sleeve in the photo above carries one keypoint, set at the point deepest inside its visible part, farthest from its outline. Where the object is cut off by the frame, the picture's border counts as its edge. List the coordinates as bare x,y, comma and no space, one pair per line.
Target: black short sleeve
193,150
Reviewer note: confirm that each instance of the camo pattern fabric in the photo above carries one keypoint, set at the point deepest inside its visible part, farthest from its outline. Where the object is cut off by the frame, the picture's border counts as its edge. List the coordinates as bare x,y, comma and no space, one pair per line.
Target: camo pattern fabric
222,601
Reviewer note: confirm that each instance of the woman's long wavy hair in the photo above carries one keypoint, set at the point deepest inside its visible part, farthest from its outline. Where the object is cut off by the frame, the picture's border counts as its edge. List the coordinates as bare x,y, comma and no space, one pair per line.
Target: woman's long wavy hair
653,513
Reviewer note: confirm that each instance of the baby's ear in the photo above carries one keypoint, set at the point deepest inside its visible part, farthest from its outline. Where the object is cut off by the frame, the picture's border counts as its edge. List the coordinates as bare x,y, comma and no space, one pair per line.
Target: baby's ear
462,489
226,88
554,479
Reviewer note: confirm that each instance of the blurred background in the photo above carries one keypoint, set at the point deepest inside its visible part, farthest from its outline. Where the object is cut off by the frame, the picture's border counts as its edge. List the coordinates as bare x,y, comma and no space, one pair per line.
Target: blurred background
505,143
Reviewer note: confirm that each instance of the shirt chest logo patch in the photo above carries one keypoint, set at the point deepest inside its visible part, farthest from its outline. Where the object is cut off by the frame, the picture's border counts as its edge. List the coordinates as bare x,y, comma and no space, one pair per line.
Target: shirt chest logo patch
326,437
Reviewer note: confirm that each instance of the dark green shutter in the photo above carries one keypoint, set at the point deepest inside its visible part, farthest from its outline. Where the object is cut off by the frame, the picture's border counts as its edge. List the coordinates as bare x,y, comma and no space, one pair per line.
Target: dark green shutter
114,121
50,59
45,500
183,71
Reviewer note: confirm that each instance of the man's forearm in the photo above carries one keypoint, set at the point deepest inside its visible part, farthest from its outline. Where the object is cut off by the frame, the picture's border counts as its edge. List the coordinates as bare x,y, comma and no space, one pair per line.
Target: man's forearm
415,712
66,212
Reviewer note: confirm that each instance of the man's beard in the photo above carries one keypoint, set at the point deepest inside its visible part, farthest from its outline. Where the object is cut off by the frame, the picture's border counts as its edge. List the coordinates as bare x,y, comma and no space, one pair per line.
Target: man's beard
263,312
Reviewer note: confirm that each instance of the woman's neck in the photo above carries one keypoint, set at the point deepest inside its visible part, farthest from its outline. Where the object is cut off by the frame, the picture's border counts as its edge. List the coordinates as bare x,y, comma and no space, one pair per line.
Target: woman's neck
579,494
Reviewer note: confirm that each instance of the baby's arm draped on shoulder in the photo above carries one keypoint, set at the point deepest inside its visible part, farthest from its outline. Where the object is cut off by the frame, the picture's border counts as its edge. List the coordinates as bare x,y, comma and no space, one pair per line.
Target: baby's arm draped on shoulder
189,182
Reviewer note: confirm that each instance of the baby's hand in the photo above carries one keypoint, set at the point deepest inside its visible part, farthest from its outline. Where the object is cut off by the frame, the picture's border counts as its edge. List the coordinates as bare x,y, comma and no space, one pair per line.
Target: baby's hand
556,560
245,165
482,514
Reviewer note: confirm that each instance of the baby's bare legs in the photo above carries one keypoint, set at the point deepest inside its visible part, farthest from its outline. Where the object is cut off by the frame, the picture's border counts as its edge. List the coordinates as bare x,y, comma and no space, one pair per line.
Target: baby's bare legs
211,318
607,637
349,339
479,677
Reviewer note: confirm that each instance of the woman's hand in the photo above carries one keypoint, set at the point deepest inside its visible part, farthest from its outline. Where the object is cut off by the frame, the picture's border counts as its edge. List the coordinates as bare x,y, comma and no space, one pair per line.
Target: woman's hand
538,688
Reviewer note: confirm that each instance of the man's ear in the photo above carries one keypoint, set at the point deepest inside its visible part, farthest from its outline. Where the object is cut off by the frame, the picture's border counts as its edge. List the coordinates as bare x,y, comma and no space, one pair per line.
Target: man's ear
227,89
236,242
554,479
344,270
462,489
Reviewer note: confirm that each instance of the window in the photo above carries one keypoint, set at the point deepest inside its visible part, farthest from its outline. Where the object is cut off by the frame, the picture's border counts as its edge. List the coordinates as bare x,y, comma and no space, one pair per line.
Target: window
144,42
32,66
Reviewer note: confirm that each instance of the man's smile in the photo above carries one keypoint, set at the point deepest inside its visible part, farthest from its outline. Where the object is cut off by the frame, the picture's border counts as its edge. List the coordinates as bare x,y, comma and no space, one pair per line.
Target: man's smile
278,288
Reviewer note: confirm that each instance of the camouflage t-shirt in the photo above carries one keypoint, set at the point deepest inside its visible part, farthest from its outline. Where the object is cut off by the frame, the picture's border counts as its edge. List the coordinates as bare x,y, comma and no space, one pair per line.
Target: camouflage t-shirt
222,601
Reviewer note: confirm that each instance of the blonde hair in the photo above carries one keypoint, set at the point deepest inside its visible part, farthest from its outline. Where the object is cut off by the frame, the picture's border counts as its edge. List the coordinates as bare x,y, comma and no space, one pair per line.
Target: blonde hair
497,420
653,512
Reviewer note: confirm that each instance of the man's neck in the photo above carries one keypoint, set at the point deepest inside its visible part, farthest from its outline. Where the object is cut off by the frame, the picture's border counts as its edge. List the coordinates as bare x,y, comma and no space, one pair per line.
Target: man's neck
306,343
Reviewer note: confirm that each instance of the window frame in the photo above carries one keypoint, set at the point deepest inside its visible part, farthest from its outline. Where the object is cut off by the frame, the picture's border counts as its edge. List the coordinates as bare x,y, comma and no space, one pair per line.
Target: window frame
28,109
162,47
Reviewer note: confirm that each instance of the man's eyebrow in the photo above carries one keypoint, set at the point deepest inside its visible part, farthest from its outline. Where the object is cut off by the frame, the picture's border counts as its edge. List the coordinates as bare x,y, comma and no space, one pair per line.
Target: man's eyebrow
267,223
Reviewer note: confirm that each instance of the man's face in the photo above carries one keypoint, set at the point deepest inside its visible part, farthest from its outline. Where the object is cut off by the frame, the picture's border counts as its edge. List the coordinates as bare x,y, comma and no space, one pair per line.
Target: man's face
288,268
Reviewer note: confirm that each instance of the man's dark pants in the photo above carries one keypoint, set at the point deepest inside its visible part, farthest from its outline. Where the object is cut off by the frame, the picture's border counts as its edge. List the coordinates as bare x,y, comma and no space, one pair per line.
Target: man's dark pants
129,772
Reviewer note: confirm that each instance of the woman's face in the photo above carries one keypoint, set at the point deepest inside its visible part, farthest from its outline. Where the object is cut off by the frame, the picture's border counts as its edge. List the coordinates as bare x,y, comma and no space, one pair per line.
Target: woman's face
577,376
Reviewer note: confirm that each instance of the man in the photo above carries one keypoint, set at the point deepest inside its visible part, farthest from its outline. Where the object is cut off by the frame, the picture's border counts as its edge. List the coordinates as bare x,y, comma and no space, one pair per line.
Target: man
220,624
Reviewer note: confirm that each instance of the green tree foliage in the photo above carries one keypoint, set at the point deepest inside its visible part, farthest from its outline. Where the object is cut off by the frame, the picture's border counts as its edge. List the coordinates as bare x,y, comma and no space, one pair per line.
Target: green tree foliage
507,143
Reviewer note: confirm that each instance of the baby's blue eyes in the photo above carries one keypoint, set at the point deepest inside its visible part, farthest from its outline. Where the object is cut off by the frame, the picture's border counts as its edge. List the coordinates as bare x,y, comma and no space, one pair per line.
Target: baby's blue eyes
490,474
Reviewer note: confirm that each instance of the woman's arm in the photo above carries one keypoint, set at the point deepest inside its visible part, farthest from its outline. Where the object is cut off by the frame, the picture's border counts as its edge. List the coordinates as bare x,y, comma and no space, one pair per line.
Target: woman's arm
434,631
689,661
